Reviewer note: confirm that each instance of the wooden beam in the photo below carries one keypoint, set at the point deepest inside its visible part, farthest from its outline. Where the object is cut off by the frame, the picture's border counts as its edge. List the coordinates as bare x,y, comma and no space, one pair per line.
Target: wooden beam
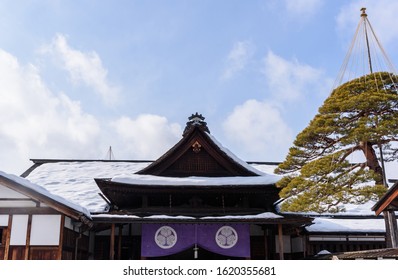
28,231
28,210
387,202
112,243
8,237
391,229
280,239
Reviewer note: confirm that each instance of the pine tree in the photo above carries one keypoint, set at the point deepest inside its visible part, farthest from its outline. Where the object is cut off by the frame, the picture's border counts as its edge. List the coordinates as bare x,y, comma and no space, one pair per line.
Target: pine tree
360,116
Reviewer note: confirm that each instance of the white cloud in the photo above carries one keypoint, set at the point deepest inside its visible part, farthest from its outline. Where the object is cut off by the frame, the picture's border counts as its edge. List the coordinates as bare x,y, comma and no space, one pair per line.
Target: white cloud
381,14
302,7
259,131
83,68
146,137
237,59
291,80
36,122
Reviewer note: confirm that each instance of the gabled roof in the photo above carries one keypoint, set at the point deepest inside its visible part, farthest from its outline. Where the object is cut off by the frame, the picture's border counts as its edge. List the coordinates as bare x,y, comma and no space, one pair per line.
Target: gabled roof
199,154
389,201
38,193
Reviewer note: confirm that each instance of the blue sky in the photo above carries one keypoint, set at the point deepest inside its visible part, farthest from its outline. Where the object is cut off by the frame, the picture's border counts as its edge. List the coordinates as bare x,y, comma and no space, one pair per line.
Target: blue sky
79,76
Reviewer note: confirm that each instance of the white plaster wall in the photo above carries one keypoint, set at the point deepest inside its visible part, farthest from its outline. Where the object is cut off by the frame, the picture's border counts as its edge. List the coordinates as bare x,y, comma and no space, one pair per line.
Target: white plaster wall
17,203
45,230
18,230
8,193
3,220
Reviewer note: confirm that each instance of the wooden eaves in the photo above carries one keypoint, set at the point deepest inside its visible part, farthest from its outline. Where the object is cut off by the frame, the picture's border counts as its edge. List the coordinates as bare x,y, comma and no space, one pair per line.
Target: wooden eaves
389,201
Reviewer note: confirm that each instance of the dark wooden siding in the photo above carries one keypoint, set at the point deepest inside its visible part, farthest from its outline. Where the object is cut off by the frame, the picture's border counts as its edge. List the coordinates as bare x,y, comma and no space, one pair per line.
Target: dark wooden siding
70,240
43,253
196,164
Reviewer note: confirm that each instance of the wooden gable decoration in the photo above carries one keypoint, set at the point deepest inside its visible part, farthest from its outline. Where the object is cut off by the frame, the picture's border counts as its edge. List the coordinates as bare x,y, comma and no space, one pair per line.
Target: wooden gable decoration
196,154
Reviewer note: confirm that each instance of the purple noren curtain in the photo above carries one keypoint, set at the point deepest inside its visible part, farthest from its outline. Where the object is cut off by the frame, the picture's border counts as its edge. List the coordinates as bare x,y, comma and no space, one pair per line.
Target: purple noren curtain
167,239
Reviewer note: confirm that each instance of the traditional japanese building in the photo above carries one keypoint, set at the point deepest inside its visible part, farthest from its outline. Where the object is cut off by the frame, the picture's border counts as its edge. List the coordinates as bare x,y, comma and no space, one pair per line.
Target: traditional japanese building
197,201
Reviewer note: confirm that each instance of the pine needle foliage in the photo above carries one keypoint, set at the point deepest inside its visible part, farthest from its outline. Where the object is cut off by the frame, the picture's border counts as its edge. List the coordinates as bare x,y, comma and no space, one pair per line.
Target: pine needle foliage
358,116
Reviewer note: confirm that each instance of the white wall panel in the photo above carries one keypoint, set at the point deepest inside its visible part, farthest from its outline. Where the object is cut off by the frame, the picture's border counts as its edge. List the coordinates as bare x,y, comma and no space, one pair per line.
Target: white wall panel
18,230
16,203
8,193
45,230
3,220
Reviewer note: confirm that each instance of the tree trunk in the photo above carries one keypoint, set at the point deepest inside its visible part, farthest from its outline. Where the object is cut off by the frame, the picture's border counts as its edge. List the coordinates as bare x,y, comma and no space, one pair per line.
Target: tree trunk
372,161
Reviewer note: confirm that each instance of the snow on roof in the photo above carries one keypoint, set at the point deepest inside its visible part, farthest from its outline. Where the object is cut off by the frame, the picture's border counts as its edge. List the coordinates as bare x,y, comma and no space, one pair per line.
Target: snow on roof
347,225
137,179
74,181
266,168
34,187
156,217
350,210
265,215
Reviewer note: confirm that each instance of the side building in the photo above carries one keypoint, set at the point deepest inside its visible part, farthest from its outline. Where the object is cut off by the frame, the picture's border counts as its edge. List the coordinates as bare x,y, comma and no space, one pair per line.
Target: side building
37,225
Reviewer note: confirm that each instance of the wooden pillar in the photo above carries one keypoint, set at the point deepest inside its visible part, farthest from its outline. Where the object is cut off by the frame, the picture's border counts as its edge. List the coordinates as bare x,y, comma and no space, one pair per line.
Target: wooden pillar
112,243
131,252
391,229
119,243
8,237
266,256
61,238
27,246
280,239
305,242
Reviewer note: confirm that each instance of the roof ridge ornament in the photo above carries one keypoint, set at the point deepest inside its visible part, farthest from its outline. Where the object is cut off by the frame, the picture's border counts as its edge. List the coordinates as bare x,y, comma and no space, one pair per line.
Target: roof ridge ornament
196,120
363,10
